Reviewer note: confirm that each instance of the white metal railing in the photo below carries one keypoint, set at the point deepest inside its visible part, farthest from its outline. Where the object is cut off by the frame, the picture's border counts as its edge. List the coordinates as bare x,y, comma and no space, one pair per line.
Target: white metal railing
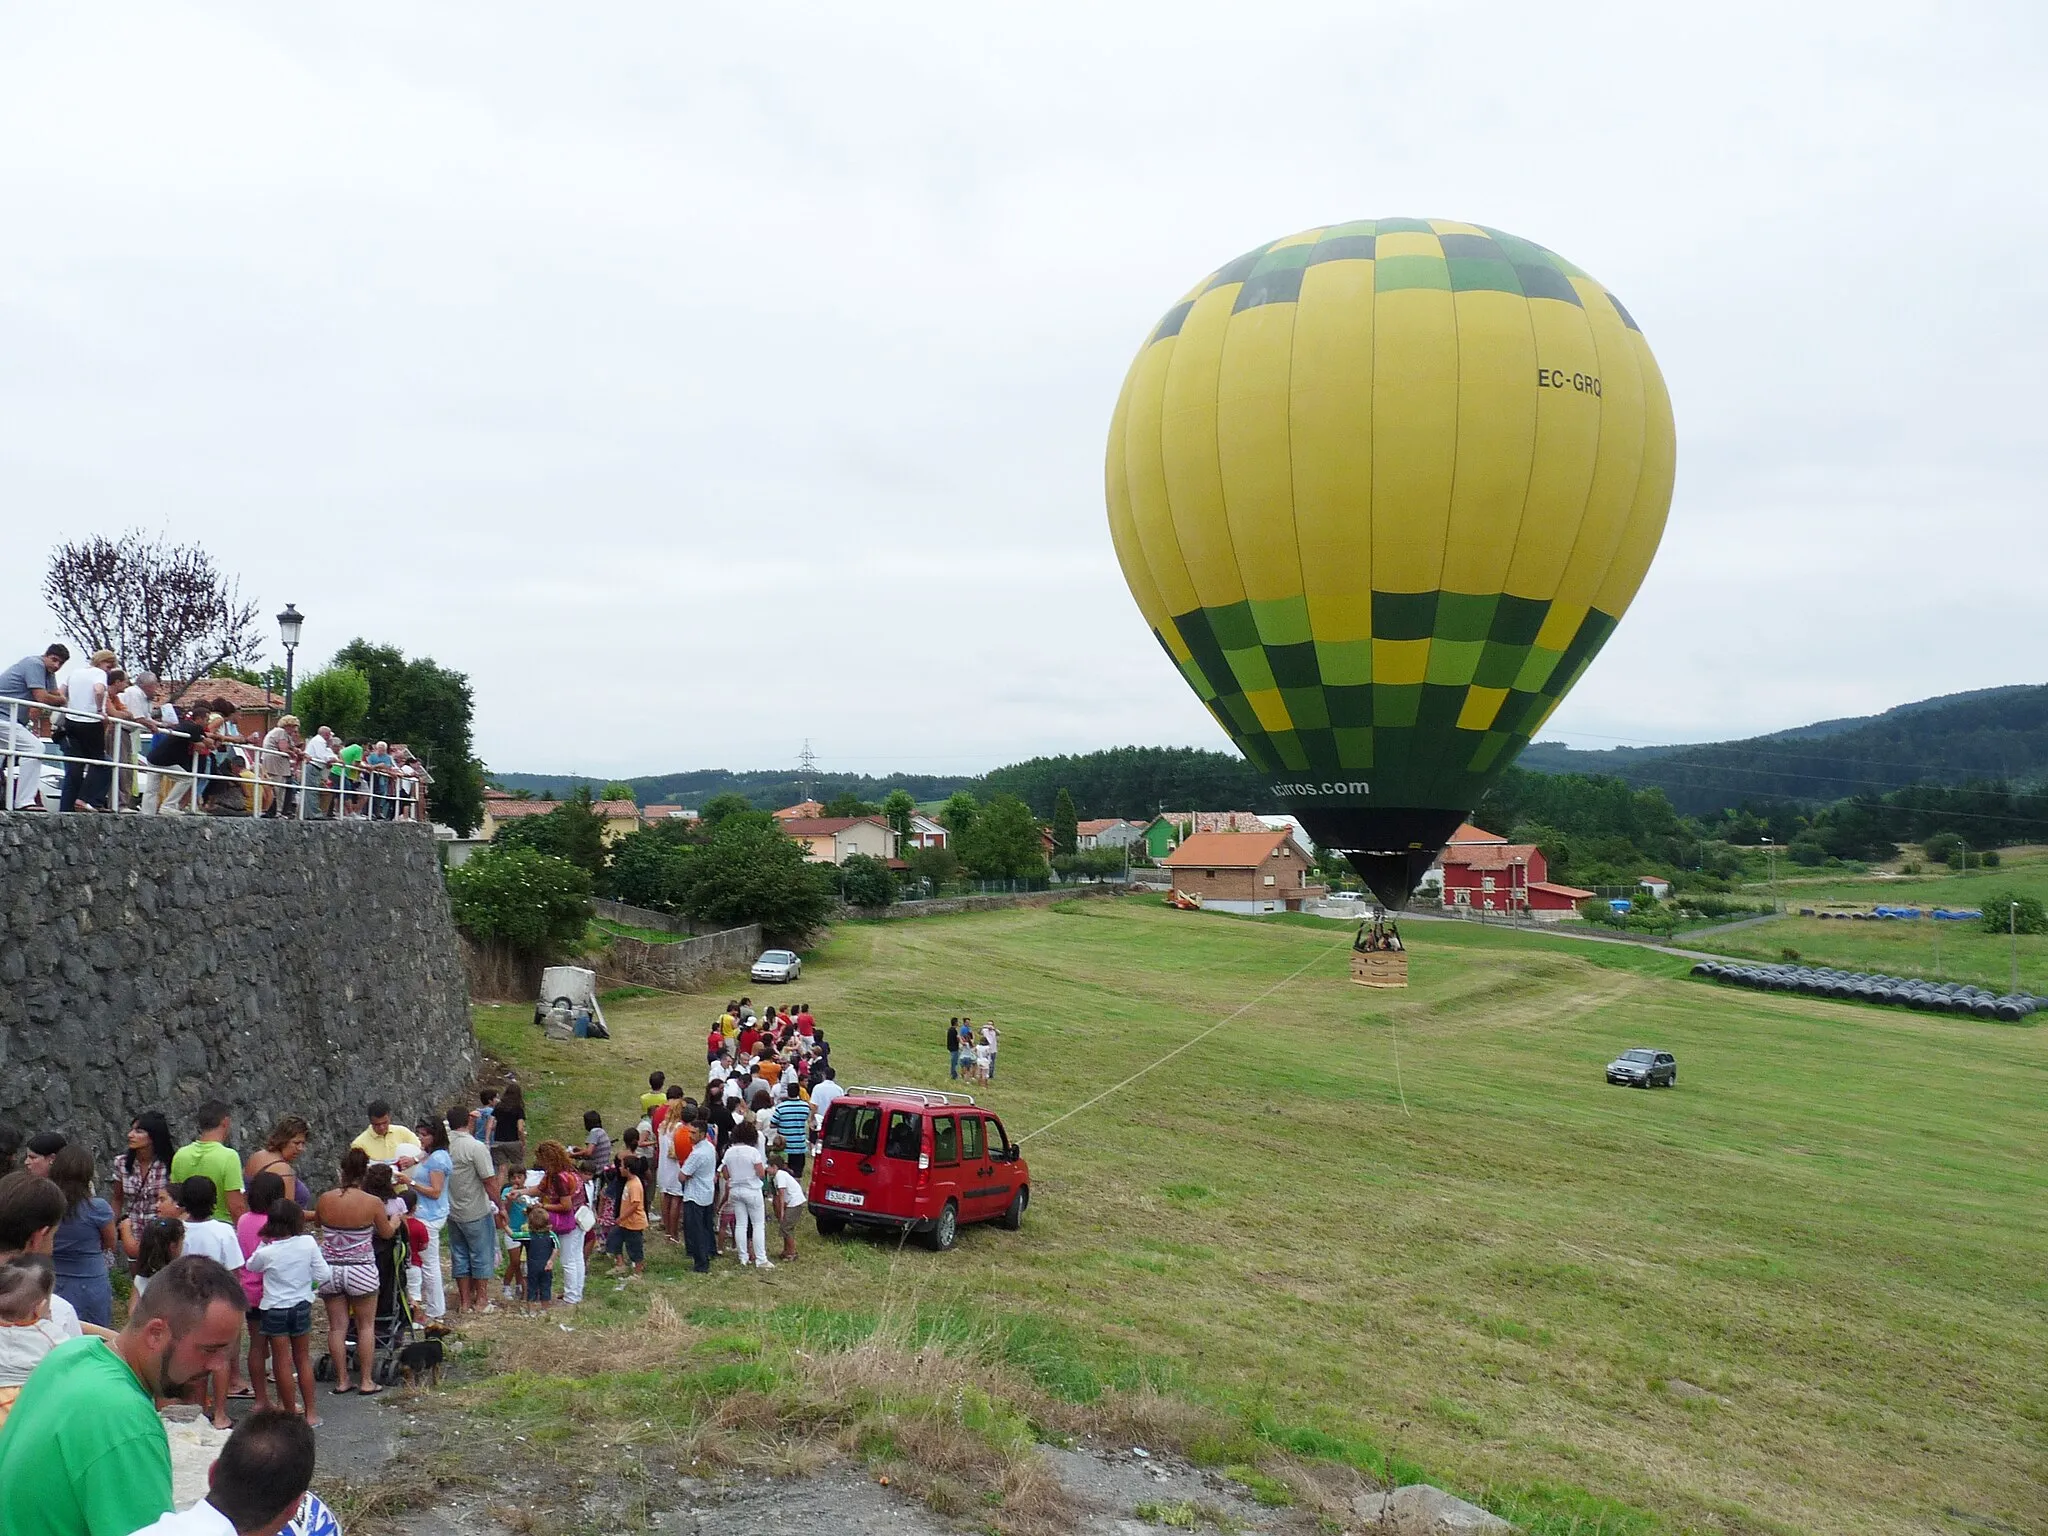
241,777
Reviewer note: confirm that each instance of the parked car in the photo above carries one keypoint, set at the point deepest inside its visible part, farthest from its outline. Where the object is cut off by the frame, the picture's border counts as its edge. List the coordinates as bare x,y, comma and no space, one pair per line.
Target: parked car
1644,1068
907,1159
777,965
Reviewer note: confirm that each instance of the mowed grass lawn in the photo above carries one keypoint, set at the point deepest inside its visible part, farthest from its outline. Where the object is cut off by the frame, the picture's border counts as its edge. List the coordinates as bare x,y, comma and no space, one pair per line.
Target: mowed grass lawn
1952,951
1804,1291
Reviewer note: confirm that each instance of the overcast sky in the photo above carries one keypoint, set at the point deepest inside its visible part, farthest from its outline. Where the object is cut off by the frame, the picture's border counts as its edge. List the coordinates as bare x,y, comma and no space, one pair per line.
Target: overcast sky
700,380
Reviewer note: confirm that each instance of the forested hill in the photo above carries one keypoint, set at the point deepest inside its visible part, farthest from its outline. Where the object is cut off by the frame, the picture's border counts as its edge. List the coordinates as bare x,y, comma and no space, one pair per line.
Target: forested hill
768,788
1119,781
1990,734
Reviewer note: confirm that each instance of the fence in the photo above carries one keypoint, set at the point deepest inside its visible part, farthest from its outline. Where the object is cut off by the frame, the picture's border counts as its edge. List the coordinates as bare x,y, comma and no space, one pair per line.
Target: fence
679,967
104,765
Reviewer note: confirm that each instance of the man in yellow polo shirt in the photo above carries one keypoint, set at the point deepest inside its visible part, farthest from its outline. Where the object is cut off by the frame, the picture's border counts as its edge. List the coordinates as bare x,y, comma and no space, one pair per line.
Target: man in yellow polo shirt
83,1453
384,1142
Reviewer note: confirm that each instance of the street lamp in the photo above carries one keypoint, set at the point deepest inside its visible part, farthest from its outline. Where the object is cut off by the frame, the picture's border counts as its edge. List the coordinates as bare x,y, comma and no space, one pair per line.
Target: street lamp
288,624
1771,851
2012,935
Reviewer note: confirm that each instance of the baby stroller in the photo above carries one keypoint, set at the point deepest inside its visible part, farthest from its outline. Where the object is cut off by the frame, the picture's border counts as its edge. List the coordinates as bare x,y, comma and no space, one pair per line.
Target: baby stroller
394,1321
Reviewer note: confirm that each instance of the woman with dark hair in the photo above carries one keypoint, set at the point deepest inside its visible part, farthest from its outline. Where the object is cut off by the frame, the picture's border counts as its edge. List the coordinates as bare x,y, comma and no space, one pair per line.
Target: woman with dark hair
351,1220
84,1239
508,1126
42,1147
741,1171
429,1178
282,1149
141,1172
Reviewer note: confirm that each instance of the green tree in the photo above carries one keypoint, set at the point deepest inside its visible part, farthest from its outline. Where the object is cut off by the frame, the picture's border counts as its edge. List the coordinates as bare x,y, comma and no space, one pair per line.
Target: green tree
648,868
1099,862
865,881
959,813
571,831
617,789
338,697
1003,843
847,803
750,873
429,708
899,808
939,866
531,901
718,808
1064,819
2000,916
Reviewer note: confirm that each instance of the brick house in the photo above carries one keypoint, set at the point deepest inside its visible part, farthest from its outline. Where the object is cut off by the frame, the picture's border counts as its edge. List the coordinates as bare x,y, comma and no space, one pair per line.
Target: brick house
1264,871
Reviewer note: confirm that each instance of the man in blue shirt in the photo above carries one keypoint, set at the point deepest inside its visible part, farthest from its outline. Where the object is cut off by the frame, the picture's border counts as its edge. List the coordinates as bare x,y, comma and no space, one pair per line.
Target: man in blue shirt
33,678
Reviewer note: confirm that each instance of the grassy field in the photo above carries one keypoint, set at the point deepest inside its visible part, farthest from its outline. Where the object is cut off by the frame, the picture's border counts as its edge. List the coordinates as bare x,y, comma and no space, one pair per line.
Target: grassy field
1804,1291
1939,951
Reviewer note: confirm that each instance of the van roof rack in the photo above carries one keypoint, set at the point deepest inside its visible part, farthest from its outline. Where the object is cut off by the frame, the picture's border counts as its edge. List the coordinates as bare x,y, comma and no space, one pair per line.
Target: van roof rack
931,1098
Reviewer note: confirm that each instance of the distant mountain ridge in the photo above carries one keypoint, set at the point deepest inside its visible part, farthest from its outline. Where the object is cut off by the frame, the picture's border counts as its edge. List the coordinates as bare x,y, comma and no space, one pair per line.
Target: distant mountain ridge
1986,733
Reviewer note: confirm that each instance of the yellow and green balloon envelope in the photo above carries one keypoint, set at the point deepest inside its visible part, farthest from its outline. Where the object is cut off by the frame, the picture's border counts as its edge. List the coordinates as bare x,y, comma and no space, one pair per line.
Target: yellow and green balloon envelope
1382,490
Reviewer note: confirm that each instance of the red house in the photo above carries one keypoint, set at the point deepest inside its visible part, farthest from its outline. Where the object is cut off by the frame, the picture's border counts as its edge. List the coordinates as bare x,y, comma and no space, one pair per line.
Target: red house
1495,875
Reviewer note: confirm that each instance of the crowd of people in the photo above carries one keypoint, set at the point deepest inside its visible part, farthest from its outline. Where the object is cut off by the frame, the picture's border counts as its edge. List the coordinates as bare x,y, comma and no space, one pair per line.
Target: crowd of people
129,742
230,1262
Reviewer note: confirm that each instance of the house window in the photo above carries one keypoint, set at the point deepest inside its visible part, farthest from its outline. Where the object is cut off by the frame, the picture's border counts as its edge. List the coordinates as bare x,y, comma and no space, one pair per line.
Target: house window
1269,879
1208,874
1486,884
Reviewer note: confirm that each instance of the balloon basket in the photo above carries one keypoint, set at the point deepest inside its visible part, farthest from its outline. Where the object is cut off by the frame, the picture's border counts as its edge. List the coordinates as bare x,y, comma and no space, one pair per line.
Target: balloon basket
1381,969
1378,957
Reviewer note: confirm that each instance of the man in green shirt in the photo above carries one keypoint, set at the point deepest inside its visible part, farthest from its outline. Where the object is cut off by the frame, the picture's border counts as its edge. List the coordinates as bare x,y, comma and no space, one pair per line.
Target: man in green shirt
83,1453
212,1156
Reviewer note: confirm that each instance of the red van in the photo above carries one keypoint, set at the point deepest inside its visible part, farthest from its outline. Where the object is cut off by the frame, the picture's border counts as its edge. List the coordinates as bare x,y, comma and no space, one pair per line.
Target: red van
916,1160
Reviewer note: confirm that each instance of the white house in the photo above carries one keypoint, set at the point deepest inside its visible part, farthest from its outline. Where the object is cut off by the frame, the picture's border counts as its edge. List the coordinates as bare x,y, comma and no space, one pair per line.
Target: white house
835,839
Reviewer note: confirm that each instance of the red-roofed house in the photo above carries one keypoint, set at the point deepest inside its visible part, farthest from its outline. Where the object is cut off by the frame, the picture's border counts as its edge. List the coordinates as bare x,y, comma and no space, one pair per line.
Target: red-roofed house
1488,874
656,815
1264,871
619,817
1107,832
500,808
835,839
803,810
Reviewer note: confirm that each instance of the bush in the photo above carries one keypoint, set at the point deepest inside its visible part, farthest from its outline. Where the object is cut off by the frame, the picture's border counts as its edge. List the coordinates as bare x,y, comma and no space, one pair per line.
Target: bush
1990,858
571,831
1805,851
530,901
865,881
939,866
2000,916
751,873
1090,861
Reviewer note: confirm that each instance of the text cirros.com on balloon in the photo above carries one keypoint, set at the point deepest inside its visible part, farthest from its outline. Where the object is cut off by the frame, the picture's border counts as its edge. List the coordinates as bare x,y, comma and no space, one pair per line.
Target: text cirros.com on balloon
1357,787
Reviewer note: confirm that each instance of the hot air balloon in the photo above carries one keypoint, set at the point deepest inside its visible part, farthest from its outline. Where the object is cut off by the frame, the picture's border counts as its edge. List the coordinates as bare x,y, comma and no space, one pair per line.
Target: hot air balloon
1382,490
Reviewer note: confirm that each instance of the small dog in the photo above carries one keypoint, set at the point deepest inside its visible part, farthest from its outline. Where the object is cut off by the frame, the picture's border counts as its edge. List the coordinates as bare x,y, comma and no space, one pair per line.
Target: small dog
421,1362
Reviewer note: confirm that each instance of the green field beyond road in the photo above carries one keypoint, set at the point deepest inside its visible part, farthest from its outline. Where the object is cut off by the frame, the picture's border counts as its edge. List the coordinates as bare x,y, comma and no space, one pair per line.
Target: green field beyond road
1803,1291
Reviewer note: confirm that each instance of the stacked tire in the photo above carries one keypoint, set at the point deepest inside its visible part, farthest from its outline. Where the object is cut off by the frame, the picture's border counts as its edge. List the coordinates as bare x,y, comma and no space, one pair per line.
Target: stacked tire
1886,991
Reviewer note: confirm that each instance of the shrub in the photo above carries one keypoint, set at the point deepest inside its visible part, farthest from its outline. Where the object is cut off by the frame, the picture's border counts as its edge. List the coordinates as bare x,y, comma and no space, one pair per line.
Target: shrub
530,901
1990,858
865,881
2000,915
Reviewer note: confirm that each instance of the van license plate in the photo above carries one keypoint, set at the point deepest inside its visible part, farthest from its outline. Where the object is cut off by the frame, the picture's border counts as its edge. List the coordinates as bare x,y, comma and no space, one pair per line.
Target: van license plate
845,1197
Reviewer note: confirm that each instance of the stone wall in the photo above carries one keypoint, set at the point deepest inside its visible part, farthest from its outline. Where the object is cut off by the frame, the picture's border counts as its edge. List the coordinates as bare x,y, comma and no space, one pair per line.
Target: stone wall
284,967
683,966
641,917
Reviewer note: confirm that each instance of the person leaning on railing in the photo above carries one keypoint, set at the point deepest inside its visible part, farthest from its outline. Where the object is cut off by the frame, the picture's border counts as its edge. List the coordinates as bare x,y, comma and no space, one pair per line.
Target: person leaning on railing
30,681
171,752
88,786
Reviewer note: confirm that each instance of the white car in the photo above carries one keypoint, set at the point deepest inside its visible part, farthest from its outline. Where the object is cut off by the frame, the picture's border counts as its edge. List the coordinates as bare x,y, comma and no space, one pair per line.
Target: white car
777,965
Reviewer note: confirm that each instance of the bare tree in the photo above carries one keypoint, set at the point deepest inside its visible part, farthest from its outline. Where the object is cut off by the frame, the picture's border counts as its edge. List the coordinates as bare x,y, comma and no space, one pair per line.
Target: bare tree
154,604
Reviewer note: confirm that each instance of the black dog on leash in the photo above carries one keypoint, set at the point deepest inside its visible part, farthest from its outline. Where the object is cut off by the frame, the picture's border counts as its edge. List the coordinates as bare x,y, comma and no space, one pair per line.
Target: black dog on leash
421,1361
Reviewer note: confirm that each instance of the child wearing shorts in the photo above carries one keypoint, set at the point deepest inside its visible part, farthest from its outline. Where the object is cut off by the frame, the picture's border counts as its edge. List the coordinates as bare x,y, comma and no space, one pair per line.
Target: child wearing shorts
516,1206
293,1269
627,1239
